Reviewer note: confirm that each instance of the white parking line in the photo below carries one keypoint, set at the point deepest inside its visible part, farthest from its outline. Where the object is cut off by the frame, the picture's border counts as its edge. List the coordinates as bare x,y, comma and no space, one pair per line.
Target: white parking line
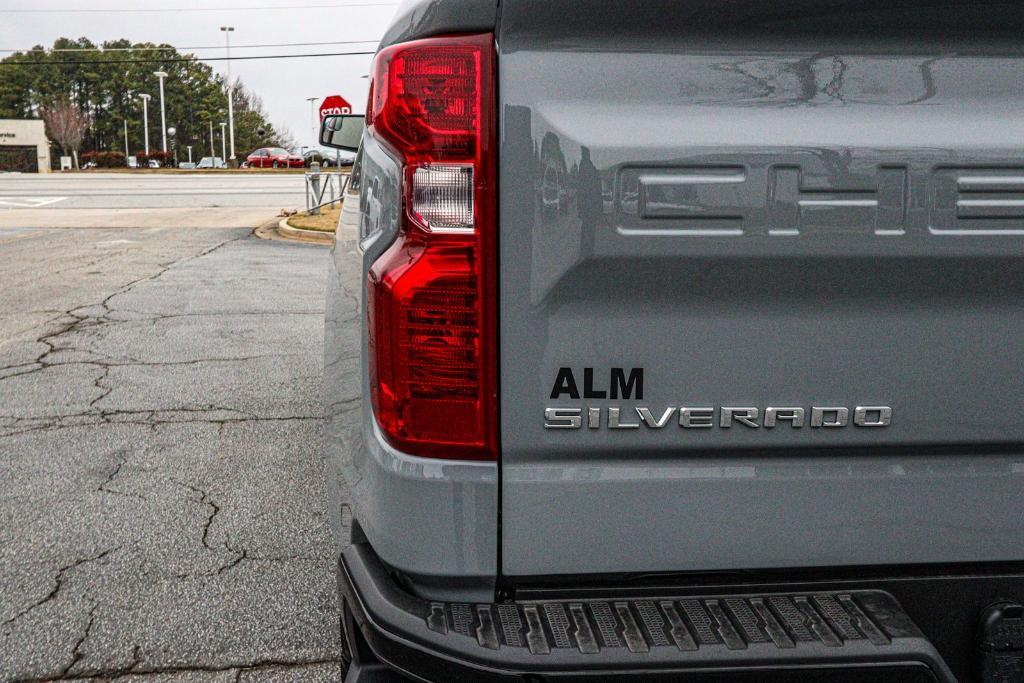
29,202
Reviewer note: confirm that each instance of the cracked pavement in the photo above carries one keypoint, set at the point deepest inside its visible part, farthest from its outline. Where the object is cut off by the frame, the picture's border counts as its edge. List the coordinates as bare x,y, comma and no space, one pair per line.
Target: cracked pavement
163,514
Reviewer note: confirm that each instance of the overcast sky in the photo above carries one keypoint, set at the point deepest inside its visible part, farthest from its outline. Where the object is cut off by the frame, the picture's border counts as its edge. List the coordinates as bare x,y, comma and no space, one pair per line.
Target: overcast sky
284,84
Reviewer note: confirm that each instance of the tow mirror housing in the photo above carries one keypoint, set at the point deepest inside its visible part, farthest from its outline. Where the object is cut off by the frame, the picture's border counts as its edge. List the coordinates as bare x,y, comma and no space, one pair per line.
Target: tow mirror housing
342,131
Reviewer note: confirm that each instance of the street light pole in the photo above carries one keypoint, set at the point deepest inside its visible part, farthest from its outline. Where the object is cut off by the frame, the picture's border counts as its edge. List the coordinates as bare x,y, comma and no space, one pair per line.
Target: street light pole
312,118
145,119
212,153
231,107
126,152
223,149
163,113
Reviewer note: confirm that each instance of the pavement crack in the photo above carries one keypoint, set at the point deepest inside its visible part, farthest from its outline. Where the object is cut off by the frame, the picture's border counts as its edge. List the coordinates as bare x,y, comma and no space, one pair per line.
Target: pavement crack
12,425
213,510
238,666
241,556
98,383
86,316
344,405
76,651
29,368
104,487
58,583
164,267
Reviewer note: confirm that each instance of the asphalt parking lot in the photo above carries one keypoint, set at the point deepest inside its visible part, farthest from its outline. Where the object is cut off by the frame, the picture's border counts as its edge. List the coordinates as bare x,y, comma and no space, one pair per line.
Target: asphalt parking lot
163,511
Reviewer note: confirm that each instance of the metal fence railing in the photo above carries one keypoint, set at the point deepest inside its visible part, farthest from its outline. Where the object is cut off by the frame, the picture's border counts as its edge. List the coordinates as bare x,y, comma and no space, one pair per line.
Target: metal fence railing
320,185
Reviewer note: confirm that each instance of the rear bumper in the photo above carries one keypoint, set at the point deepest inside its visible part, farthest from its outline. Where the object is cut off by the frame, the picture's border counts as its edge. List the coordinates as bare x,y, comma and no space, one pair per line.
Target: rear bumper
840,636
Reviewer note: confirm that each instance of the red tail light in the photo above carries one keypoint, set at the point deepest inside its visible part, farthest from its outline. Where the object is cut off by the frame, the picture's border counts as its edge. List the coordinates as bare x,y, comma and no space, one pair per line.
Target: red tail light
431,296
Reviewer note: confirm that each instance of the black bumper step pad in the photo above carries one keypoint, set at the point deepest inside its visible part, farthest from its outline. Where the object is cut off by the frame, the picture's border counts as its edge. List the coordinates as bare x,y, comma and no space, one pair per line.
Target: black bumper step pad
686,624
853,635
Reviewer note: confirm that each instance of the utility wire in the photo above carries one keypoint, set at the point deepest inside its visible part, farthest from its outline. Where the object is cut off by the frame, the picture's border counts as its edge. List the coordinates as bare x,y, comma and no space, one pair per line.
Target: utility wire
168,48
93,10
173,60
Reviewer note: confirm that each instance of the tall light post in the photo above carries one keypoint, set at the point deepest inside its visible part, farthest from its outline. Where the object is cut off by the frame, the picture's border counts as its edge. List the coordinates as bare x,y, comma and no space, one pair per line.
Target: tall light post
223,149
212,153
145,119
312,118
231,107
163,112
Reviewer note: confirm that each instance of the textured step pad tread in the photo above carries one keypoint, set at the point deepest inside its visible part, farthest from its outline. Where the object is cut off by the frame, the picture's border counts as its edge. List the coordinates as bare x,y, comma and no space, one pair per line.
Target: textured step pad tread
687,624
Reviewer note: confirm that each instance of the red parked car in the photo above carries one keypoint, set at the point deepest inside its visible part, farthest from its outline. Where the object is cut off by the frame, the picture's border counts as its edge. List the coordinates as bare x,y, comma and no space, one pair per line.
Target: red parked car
274,157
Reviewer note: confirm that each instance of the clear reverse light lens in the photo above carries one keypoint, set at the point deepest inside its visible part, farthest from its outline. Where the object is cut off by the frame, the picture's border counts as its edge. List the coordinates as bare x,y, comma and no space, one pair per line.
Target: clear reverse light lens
442,197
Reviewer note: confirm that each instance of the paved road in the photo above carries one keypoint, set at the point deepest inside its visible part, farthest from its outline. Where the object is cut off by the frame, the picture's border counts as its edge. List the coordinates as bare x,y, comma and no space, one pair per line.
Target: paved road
163,506
129,191
113,200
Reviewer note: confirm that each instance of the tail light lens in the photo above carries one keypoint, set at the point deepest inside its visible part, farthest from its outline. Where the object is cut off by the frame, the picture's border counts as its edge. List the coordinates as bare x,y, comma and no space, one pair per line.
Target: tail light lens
431,296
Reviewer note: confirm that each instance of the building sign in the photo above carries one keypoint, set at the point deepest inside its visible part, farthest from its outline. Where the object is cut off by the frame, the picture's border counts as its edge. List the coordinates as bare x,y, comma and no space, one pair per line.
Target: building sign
23,146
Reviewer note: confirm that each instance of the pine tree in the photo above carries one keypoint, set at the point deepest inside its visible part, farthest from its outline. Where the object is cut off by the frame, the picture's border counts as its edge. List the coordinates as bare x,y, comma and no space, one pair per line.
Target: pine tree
105,84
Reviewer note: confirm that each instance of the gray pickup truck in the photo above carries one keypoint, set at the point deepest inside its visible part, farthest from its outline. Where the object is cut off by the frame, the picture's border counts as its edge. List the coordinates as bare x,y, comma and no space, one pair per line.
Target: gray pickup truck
682,341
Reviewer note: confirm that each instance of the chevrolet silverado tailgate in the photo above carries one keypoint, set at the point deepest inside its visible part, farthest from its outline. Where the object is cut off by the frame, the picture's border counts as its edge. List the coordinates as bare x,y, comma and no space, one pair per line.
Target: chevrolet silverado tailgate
762,267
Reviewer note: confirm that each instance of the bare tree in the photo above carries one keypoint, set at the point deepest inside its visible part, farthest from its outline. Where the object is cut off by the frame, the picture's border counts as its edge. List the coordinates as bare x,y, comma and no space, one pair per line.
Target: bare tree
67,124
250,116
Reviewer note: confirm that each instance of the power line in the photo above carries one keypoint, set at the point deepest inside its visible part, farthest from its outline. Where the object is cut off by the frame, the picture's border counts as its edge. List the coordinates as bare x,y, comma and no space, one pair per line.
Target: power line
173,60
93,10
170,48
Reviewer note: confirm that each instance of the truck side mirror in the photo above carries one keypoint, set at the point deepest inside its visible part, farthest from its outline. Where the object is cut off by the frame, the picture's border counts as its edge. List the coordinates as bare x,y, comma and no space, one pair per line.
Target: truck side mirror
342,131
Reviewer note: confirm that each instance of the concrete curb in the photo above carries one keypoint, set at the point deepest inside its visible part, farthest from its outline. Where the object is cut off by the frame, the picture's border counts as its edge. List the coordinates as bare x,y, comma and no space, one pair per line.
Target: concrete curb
286,231
268,231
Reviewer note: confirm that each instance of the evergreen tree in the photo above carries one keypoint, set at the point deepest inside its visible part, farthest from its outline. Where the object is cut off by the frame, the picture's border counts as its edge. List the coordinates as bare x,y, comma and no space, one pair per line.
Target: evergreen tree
105,84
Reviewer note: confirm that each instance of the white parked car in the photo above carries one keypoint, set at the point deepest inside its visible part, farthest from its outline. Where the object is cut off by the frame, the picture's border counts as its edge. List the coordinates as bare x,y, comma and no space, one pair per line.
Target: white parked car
211,162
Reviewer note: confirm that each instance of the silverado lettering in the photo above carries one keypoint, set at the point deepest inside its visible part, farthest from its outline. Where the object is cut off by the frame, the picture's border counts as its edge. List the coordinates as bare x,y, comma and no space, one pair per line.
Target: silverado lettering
615,417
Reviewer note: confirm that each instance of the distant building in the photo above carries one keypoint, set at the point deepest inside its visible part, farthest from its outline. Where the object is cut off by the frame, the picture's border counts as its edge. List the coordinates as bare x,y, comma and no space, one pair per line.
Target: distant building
23,146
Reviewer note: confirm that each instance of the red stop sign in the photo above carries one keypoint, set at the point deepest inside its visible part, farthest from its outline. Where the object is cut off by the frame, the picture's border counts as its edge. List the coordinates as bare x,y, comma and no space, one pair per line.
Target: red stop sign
333,105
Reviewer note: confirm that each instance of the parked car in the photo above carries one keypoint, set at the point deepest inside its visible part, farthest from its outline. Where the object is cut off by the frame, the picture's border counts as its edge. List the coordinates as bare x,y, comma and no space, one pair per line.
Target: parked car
187,164
684,358
211,162
325,159
328,157
274,157
153,163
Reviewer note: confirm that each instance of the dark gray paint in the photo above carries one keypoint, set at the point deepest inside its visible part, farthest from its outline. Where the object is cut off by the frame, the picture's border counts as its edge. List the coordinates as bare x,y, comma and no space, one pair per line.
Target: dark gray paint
828,257
423,18
660,25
